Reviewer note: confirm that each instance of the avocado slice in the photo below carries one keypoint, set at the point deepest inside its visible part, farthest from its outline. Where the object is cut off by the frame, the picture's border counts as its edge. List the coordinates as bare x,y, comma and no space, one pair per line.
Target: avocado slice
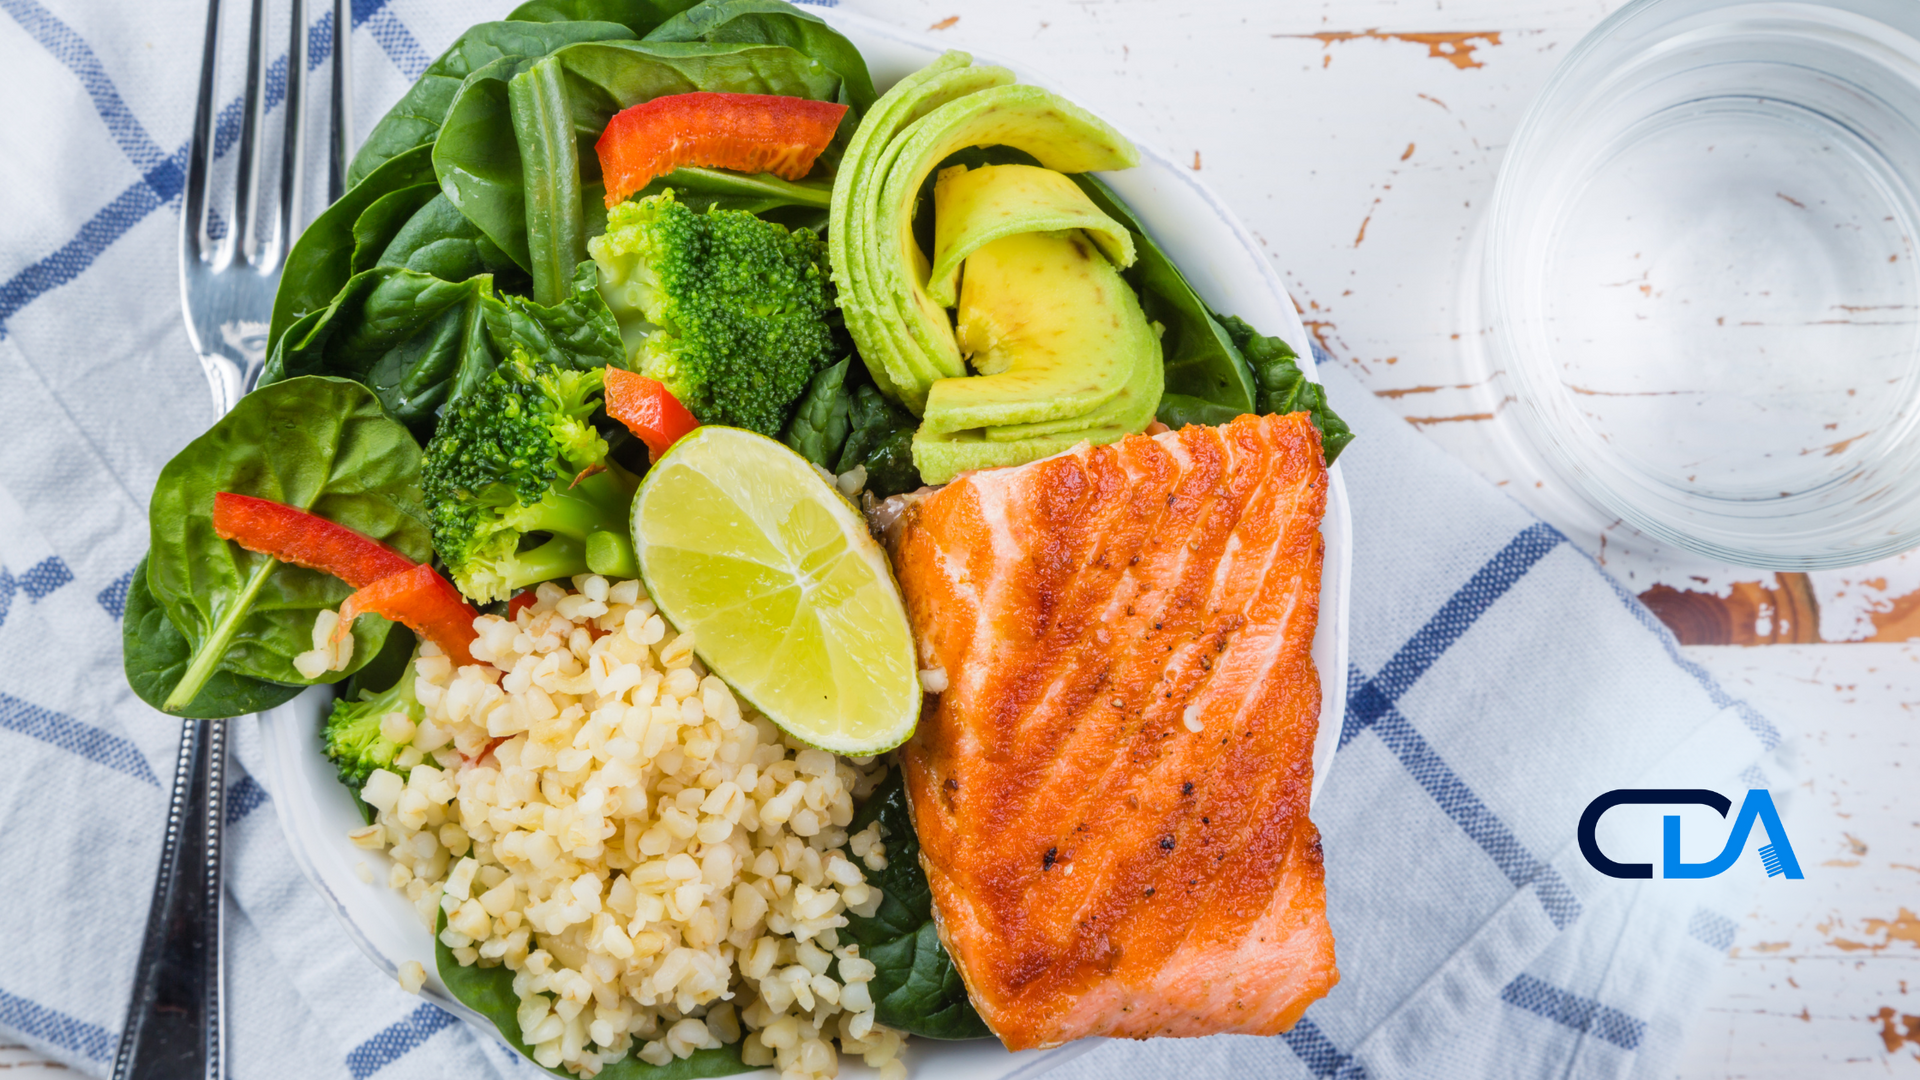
941,456
1131,408
856,193
905,338
1057,133
973,208
1050,317
1081,362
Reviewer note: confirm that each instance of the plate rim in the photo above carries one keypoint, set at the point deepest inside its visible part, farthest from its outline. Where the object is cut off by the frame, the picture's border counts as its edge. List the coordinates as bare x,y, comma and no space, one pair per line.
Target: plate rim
291,772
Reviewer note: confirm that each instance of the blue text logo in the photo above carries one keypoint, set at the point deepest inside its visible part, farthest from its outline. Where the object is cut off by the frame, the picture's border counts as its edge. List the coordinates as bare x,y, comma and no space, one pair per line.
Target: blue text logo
1776,855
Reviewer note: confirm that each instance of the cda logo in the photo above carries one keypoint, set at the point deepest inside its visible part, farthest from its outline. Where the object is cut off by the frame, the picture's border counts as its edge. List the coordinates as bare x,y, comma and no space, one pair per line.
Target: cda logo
1776,855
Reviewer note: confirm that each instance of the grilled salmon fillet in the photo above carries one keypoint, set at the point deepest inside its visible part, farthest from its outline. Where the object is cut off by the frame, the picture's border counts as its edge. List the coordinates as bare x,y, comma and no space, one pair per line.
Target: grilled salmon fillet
1111,794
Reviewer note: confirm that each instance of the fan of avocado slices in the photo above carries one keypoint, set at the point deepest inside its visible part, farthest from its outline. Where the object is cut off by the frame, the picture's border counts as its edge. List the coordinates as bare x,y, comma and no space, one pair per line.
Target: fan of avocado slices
1112,338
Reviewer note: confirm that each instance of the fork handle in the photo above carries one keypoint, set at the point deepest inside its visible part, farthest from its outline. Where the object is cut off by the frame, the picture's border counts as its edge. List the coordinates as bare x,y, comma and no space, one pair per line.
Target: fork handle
173,1029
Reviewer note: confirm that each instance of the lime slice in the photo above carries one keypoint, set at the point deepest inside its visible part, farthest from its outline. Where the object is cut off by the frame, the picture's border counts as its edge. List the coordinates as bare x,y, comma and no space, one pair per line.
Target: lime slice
788,597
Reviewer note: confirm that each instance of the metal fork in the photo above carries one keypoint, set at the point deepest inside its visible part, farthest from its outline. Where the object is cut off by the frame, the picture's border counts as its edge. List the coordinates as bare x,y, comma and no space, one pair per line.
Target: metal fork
174,1028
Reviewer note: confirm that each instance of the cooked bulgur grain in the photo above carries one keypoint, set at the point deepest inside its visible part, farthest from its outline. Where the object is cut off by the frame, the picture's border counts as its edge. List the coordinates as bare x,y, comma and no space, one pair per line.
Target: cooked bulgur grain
413,975
661,870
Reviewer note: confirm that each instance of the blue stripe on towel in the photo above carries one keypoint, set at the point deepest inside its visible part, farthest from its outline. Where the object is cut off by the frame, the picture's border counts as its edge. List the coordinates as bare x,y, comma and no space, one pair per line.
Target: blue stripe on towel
72,259
114,597
393,36
1488,584
1318,1053
97,746
1581,1014
1712,929
56,1028
244,797
1476,820
396,1041
1370,706
156,165
163,175
45,576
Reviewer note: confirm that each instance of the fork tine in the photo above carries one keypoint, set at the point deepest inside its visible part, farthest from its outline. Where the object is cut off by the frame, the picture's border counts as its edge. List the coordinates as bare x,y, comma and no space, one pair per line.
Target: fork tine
200,151
341,133
246,183
293,150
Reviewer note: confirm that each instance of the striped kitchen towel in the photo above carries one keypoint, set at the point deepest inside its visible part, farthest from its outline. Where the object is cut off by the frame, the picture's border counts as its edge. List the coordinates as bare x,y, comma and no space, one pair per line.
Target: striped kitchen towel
1500,681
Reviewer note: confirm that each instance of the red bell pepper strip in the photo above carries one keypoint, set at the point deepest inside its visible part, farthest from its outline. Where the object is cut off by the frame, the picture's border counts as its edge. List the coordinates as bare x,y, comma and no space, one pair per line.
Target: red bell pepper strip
425,602
295,536
749,133
648,409
521,601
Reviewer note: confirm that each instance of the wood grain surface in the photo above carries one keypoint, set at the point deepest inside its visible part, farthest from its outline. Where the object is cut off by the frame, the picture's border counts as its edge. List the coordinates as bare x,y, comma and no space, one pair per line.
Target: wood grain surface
20,1063
1359,141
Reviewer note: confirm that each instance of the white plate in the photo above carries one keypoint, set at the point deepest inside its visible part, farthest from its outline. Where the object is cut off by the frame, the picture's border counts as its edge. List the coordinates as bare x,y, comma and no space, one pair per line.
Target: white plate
1229,271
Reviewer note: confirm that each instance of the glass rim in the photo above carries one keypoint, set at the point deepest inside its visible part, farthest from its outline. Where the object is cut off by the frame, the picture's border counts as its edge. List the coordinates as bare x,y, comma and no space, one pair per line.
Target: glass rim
1797,531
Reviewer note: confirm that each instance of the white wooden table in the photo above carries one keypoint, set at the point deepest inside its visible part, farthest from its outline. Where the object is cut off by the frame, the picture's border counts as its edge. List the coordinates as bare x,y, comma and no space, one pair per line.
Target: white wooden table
1360,141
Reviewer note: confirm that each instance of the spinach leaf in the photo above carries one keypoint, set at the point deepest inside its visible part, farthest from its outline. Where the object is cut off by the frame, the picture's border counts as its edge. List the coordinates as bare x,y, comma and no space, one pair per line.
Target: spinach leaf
801,205
605,77
478,160
776,22
1201,359
844,421
1284,388
1178,410
419,341
915,988
578,332
382,221
415,119
401,332
321,445
439,240
906,900
155,655
478,157
537,101
384,670
820,422
321,260
593,194
489,992
890,467
639,16
882,440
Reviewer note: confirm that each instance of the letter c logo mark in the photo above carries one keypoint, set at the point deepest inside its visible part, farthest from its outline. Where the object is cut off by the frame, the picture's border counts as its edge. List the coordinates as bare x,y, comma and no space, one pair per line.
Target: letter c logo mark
1590,820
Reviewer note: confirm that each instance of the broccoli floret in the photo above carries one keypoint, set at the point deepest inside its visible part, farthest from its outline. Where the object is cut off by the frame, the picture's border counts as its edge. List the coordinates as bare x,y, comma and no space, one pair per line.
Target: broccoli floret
731,312
353,738
518,486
